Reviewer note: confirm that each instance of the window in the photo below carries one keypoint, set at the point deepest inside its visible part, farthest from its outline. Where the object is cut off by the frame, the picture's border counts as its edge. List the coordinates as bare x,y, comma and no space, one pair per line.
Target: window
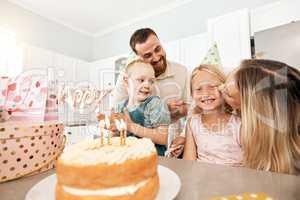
11,54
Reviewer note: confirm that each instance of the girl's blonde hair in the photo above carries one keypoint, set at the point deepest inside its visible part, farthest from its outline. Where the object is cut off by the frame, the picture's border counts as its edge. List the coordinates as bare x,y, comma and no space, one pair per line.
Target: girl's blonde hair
214,70
270,96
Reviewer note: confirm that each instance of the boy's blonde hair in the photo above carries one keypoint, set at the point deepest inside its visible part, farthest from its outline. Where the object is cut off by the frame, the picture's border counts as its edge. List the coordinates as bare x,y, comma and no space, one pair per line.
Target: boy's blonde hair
129,66
270,109
214,70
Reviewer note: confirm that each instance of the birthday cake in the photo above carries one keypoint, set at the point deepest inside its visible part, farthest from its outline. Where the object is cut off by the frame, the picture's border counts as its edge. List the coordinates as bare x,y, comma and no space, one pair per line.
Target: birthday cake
90,170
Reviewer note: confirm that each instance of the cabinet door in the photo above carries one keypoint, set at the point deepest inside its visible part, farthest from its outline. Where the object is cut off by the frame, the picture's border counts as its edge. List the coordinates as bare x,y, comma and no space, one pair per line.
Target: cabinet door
65,68
103,77
102,74
82,71
231,32
173,51
37,58
193,50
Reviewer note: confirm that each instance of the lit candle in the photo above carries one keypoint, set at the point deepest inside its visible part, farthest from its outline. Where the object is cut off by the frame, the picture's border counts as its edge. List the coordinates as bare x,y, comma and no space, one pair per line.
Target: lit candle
124,130
102,125
107,122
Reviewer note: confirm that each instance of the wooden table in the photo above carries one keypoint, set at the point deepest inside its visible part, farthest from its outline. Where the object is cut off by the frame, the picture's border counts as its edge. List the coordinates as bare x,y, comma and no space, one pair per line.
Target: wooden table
200,181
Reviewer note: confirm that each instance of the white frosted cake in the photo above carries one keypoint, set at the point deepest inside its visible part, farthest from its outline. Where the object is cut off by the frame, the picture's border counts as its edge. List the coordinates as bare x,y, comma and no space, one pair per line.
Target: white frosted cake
91,171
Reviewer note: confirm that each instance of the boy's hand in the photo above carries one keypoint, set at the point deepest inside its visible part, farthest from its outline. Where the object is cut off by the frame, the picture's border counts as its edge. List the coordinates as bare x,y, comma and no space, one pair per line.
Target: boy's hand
130,124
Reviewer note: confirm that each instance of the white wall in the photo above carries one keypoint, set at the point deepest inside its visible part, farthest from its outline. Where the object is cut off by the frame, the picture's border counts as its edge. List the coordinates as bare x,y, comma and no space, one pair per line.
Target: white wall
184,21
38,31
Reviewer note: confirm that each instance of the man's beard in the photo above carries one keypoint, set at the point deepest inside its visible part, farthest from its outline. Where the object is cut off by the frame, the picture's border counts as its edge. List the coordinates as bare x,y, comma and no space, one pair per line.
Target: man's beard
160,68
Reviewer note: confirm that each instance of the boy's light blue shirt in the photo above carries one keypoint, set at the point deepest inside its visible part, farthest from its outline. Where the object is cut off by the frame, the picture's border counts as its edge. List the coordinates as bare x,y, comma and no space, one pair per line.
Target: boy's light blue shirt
156,113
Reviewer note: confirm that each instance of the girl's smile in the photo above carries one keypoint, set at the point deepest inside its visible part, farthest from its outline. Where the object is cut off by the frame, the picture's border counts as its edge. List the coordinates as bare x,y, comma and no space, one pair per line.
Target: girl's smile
205,91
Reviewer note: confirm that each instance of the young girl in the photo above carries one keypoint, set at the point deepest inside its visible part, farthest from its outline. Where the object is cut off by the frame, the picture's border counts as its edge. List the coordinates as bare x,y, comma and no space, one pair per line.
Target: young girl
148,115
212,133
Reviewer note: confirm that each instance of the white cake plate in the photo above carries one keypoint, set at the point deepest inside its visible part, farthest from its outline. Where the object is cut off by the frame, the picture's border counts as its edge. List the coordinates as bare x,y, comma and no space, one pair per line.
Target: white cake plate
169,186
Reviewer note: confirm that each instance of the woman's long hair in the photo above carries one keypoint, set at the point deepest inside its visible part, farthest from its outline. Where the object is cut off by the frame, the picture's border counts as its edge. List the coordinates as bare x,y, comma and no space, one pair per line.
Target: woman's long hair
270,109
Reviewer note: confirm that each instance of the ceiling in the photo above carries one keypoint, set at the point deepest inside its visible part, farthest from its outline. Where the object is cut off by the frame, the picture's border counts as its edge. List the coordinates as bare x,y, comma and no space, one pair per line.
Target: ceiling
97,17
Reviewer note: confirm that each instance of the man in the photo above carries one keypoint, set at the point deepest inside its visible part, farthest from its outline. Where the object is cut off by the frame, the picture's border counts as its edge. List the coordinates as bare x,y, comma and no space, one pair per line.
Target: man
171,78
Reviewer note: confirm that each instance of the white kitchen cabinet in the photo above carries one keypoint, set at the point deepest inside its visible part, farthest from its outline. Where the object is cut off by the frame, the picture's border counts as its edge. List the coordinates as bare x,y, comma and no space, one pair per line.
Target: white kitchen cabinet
71,70
173,50
82,71
231,32
102,72
35,57
102,75
274,14
188,51
66,69
193,50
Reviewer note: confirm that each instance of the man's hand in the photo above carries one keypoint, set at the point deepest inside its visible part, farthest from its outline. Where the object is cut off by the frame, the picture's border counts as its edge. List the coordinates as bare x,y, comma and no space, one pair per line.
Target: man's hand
178,109
176,152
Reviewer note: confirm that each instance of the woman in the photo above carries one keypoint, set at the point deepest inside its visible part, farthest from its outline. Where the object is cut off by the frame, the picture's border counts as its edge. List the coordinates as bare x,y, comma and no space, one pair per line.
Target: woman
268,95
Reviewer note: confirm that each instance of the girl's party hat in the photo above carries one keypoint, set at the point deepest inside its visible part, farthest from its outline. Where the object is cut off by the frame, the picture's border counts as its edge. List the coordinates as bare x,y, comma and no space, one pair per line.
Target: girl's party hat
212,57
